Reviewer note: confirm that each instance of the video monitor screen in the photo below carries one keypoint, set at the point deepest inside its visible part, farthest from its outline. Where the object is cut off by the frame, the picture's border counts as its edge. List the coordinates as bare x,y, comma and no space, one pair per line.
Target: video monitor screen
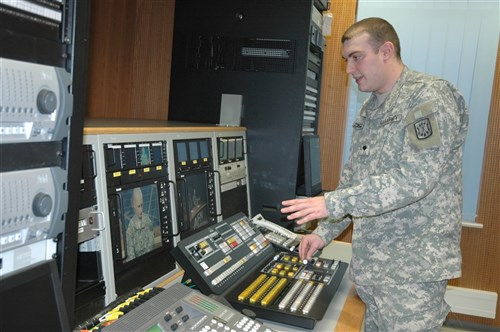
144,154
181,149
129,156
197,201
193,151
113,157
309,167
204,149
31,299
157,154
139,221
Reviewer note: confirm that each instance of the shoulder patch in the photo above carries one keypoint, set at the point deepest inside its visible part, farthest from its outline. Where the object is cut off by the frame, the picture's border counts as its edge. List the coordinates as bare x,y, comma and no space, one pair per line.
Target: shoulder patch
422,127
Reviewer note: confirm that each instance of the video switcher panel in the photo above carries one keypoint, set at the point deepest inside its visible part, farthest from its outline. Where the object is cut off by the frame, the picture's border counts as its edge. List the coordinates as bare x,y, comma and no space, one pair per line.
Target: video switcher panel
235,260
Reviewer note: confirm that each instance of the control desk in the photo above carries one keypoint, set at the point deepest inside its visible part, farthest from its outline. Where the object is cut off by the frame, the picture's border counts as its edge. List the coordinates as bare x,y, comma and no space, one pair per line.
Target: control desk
234,259
180,308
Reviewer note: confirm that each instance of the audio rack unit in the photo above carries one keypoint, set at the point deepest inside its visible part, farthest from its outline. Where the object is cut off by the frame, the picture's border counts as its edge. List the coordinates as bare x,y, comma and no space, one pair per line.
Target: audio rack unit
234,259
35,109
43,74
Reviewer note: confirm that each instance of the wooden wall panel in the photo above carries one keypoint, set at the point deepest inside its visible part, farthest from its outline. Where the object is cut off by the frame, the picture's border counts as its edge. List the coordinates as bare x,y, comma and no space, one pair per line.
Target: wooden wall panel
130,58
334,95
481,247
334,100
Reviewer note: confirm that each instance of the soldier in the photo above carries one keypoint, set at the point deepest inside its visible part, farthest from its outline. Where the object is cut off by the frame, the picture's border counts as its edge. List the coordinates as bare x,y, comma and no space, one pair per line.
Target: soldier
140,237
401,187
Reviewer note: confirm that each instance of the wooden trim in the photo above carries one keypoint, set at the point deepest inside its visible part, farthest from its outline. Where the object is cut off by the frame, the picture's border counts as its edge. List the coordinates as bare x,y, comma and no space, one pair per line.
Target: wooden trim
130,126
481,247
167,281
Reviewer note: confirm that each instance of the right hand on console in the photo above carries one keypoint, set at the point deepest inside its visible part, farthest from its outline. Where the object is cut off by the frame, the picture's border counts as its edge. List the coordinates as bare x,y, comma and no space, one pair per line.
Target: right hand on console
309,244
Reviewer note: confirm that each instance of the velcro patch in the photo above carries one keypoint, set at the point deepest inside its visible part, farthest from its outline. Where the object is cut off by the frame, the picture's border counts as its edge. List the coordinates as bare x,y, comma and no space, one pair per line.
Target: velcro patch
422,127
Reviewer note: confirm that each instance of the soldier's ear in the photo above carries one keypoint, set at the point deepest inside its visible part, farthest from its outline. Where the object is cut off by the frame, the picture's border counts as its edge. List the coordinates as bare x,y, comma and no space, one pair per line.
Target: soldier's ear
387,49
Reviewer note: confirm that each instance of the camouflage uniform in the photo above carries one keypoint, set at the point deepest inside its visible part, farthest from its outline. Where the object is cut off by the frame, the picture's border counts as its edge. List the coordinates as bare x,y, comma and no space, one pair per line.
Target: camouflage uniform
404,307
140,238
402,185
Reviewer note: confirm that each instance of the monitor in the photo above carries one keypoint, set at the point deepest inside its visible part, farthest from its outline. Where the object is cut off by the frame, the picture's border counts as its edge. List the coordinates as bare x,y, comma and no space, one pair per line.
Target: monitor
309,168
31,299
140,220
139,233
139,205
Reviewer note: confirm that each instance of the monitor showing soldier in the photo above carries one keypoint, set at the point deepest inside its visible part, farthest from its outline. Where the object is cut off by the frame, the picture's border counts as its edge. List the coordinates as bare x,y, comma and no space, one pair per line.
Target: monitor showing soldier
140,236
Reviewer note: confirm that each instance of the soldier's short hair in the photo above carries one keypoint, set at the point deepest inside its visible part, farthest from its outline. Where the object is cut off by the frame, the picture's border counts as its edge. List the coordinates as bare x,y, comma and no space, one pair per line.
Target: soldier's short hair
136,195
379,30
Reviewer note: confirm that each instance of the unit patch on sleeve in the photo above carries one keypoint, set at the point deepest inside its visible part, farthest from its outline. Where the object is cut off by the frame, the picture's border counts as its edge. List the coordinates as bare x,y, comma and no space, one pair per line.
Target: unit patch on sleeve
422,127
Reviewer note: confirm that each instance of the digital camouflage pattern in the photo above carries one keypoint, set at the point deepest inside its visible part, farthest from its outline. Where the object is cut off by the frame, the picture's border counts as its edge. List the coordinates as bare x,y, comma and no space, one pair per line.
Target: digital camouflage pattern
408,307
402,185
140,238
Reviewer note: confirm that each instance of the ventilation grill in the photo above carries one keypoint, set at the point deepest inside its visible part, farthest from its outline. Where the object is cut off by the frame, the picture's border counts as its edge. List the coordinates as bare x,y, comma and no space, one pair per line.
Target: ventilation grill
240,54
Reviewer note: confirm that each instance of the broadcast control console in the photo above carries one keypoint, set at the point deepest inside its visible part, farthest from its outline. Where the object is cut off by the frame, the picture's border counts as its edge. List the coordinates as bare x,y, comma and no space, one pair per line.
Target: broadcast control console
235,260
180,308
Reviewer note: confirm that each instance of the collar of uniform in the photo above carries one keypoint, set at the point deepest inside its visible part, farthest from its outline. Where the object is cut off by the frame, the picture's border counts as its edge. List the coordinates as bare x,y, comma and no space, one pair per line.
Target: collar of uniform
371,104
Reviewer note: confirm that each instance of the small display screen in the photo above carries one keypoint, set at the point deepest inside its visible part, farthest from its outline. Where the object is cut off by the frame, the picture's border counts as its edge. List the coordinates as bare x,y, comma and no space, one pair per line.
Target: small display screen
129,156
144,154
113,157
193,151
181,149
157,154
204,149
155,328
197,201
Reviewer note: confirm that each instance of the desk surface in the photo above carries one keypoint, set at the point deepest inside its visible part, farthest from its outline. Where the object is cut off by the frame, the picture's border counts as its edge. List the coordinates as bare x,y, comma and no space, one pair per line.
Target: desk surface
346,310
136,126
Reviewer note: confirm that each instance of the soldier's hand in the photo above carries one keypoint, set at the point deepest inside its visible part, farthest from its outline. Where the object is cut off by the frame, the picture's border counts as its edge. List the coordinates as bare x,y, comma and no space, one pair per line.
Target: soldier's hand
303,210
309,245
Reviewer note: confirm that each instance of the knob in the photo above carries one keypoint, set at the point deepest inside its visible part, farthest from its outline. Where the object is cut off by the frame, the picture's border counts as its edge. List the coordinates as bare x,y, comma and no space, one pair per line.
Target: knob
42,205
46,101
